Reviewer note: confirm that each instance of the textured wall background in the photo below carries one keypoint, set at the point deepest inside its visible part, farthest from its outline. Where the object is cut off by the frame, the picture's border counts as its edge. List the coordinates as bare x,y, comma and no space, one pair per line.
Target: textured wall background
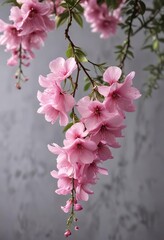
128,204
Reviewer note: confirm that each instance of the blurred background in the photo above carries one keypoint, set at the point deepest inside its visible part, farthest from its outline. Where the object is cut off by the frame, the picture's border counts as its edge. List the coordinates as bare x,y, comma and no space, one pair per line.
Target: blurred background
127,204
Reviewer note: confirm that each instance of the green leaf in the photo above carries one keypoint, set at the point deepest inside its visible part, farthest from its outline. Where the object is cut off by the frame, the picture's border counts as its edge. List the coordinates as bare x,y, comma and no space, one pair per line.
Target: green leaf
80,8
155,45
80,55
69,51
87,86
61,19
78,19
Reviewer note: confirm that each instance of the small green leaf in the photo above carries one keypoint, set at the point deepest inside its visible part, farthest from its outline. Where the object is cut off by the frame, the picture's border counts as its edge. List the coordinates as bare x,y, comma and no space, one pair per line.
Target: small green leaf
87,86
78,19
155,45
80,8
81,56
61,19
69,51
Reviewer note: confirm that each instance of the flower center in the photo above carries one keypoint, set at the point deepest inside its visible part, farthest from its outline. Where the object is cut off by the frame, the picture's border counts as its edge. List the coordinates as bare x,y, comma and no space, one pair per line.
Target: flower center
33,12
115,95
79,146
103,128
97,111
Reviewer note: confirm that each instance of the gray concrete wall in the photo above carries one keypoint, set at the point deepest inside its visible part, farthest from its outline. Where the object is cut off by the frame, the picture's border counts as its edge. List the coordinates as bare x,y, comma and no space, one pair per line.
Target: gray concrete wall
128,204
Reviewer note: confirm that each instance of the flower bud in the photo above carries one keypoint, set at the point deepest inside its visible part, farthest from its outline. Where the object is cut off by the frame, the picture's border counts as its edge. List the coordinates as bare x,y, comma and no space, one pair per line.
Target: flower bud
67,233
78,207
76,228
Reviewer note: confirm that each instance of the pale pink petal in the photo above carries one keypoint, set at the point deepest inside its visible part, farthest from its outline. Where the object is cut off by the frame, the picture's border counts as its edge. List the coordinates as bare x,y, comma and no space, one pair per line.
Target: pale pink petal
103,171
86,157
54,174
82,106
112,74
82,195
70,65
56,149
104,90
63,119
2,25
43,81
57,66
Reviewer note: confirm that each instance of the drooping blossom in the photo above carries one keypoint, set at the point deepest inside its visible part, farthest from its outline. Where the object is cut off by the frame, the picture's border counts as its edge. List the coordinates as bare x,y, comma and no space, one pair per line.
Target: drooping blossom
61,68
32,16
55,103
92,112
101,18
119,96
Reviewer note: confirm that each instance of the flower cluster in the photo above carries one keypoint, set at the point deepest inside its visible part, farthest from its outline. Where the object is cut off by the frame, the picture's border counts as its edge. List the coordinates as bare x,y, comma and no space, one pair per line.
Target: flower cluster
101,19
28,30
54,101
95,128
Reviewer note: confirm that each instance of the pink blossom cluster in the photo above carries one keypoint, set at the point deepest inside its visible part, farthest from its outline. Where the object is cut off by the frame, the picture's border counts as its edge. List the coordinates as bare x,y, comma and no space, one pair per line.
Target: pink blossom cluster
101,18
54,101
89,140
28,30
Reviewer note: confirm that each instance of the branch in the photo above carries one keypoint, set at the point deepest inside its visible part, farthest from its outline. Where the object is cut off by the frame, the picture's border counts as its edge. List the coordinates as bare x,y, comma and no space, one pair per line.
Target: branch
128,41
146,22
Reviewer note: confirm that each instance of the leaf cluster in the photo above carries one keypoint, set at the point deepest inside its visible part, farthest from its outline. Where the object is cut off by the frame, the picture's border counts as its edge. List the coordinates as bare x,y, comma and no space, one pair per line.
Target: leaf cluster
76,10
133,9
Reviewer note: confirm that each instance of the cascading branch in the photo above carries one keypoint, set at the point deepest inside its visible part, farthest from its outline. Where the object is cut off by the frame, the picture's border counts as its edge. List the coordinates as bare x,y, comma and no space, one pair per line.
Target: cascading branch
94,123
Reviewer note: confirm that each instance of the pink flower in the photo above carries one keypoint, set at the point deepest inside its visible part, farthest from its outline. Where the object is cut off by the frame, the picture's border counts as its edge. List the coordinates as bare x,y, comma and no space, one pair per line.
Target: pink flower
64,184
106,26
52,113
108,130
101,18
112,74
10,36
92,112
58,9
76,131
81,151
91,172
34,40
67,207
82,191
93,11
103,152
62,68
119,96
55,103
32,16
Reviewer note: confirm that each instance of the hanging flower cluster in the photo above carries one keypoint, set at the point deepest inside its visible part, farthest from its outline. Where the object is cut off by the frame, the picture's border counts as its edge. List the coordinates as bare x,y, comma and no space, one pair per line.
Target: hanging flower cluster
92,124
96,125
101,18
28,30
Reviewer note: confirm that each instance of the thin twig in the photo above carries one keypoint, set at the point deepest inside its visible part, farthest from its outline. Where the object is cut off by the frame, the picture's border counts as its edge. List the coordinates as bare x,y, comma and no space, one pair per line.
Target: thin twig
128,41
145,24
